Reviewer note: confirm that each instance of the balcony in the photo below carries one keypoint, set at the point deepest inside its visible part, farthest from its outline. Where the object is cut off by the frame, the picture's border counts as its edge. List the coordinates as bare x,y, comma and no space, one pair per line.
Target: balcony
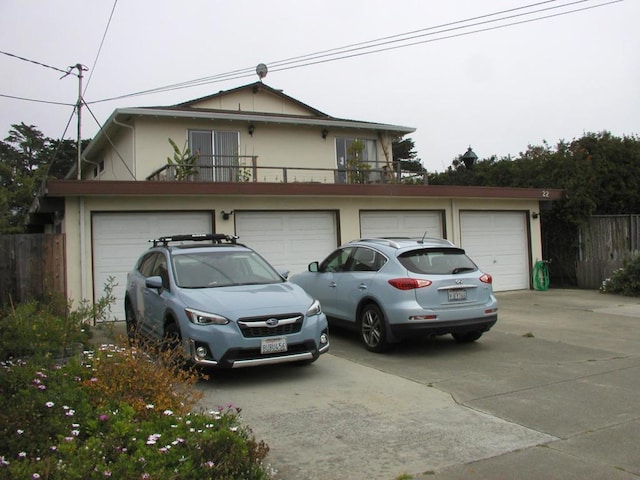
246,169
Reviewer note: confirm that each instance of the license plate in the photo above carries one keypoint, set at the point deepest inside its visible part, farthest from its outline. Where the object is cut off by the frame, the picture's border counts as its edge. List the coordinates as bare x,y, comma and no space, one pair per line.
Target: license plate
273,345
457,295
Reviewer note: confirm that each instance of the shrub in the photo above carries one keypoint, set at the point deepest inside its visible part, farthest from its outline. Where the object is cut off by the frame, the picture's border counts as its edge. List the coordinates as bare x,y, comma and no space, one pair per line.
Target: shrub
72,422
50,328
117,412
625,280
34,328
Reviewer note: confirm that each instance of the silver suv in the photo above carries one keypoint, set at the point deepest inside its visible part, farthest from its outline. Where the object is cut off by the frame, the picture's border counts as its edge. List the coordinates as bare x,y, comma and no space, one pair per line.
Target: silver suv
221,304
394,288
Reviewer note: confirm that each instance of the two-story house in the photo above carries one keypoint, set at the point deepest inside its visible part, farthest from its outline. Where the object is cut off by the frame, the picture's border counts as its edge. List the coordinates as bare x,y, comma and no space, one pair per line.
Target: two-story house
289,180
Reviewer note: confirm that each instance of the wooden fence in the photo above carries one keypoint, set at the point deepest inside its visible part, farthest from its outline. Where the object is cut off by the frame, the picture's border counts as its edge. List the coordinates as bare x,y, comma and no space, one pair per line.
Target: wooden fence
31,267
606,241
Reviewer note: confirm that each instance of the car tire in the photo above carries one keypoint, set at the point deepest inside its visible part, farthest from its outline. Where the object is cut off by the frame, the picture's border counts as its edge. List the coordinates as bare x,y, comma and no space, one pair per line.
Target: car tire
373,329
131,323
467,337
172,337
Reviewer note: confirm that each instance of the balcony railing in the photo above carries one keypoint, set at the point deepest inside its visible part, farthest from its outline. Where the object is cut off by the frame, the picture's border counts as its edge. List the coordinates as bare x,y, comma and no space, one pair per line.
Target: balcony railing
246,169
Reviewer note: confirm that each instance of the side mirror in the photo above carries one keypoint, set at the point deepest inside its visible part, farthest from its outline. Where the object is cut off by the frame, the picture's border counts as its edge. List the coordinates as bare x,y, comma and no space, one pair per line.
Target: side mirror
313,267
154,282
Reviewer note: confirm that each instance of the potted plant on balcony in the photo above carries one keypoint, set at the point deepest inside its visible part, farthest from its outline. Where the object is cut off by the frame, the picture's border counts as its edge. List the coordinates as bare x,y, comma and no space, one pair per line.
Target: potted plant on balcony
184,163
357,167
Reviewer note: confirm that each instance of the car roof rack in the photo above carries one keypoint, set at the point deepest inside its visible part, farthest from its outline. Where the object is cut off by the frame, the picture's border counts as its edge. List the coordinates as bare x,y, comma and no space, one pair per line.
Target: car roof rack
195,237
395,241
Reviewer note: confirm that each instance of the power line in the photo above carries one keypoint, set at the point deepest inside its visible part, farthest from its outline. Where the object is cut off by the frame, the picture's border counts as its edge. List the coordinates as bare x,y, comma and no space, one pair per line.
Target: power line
66,72
104,36
352,50
37,101
481,30
371,46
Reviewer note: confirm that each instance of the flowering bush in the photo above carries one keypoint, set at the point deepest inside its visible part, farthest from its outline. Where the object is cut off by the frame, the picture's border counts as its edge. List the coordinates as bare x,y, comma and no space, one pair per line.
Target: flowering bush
73,421
625,280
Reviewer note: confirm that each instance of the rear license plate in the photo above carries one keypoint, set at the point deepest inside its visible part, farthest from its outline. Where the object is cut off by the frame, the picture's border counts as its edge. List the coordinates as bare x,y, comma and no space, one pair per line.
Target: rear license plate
457,295
273,345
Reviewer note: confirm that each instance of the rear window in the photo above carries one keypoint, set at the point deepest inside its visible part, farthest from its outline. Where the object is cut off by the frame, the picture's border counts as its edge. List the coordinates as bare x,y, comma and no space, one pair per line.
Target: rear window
445,261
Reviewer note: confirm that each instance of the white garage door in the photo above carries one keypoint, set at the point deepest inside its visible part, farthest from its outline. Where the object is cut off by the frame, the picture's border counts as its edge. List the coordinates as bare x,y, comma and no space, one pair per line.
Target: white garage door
400,224
120,238
289,240
497,242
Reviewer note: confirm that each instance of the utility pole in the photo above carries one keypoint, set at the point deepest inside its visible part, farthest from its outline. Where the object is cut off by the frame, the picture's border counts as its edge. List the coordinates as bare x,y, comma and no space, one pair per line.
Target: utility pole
81,68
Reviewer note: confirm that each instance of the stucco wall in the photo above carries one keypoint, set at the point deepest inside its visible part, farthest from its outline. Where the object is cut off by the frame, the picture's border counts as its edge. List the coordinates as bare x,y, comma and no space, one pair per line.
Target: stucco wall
297,146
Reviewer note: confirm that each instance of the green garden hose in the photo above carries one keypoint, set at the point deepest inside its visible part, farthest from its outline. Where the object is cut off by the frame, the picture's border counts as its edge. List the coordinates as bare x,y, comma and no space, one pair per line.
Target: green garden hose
540,275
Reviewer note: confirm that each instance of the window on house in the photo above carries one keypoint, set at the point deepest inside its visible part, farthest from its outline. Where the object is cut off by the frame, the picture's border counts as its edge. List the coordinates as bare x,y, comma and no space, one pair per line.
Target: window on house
355,159
217,154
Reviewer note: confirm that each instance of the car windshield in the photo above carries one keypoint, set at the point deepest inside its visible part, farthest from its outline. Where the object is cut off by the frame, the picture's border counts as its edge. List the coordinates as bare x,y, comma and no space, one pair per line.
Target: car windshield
221,269
445,261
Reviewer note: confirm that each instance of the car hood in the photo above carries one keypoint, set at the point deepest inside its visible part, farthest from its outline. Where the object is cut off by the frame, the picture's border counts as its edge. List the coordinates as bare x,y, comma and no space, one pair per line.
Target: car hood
248,300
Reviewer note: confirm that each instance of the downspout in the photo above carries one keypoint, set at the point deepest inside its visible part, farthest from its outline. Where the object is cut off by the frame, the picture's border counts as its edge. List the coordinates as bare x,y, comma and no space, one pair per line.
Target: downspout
133,145
83,262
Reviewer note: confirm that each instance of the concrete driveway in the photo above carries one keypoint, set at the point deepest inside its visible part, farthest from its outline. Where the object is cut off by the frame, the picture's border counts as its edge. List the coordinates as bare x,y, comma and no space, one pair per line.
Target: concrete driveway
552,392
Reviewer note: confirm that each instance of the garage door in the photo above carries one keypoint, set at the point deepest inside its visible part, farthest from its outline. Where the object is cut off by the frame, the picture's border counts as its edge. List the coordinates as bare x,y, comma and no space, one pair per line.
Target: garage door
290,240
120,238
401,224
498,243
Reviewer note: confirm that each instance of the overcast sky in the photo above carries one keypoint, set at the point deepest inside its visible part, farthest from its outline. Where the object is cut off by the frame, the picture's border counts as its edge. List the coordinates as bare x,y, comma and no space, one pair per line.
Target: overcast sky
497,91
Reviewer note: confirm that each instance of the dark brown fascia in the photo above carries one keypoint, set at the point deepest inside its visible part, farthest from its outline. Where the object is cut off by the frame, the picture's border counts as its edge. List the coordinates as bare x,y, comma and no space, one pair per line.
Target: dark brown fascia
73,188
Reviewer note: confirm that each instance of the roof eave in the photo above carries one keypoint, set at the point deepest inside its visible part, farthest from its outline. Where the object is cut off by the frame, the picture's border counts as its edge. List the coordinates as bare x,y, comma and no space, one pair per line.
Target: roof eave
256,117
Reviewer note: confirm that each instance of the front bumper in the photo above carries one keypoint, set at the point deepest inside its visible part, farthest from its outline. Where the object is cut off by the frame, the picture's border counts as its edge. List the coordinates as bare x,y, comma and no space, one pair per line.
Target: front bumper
238,358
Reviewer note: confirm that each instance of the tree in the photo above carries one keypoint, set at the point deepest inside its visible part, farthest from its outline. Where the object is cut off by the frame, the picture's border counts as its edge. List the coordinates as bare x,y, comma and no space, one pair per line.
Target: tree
27,158
599,172
404,155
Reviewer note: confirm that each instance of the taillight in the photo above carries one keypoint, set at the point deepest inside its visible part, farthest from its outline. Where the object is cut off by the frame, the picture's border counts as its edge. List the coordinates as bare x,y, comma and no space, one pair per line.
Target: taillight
408,283
486,278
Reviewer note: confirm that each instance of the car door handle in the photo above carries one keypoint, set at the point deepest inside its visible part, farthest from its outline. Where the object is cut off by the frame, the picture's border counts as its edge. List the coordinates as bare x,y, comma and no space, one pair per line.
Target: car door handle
362,286
333,285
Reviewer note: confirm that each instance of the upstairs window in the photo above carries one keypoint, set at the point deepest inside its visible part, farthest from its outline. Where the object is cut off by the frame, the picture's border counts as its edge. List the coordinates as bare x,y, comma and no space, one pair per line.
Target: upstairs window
357,160
217,154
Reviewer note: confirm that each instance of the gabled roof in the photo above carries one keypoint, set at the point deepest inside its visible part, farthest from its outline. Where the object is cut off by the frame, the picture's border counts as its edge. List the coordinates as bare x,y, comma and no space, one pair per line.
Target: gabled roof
254,87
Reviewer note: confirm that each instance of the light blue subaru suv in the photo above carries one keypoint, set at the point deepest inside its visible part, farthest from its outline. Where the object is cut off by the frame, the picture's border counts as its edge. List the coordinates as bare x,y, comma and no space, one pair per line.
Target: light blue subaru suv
221,304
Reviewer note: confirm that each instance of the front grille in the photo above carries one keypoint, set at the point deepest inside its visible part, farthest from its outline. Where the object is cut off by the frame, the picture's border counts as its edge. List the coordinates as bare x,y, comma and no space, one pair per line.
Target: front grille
287,323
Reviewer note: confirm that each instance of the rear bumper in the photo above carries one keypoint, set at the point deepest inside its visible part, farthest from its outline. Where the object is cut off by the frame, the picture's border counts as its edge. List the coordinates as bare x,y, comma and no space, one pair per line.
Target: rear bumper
421,329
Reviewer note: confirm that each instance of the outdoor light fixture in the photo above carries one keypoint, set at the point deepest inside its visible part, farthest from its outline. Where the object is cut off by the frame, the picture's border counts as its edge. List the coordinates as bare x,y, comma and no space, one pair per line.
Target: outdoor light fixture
226,215
325,132
535,215
251,128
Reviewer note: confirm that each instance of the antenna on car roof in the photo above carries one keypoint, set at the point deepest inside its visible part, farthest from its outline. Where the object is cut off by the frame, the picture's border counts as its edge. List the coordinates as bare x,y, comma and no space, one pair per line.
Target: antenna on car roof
423,237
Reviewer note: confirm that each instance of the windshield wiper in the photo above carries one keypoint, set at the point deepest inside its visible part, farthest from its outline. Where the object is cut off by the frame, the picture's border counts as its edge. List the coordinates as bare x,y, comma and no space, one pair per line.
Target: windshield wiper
462,269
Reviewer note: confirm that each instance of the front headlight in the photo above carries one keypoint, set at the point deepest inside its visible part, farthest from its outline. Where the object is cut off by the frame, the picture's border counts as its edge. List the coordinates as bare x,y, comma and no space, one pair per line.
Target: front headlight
314,309
204,318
